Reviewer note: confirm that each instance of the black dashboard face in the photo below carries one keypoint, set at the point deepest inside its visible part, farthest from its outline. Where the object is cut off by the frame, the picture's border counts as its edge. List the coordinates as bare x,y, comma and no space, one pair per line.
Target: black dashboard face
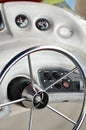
48,77
42,24
22,21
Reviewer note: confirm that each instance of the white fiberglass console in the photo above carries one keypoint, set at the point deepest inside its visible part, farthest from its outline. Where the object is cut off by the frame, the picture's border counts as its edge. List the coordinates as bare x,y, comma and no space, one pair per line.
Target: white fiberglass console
42,67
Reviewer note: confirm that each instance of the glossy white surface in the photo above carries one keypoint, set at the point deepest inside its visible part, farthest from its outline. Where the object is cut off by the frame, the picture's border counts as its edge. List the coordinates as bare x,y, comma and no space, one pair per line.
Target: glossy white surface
14,40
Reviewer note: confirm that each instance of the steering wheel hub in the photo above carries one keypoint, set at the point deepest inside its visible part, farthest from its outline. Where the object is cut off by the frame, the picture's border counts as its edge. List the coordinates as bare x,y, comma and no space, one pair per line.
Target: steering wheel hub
35,98
40,100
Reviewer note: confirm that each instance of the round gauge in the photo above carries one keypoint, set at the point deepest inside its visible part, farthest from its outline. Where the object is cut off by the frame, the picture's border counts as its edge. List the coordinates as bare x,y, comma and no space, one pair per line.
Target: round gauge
21,21
65,32
42,24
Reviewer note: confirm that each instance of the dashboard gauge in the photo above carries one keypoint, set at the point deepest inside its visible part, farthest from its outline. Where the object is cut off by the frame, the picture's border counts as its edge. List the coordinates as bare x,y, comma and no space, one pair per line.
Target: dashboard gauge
1,22
65,32
22,21
42,24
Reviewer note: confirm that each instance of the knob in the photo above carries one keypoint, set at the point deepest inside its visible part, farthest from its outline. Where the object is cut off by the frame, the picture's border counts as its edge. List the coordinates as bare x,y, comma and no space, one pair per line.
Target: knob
66,83
56,75
47,76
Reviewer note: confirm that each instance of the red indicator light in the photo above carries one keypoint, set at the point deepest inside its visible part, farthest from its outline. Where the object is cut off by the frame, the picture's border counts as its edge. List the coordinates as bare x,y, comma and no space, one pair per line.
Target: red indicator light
66,84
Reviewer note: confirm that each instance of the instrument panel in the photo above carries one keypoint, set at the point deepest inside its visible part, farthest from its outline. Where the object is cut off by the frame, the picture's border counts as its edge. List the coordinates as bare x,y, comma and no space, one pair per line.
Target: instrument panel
69,84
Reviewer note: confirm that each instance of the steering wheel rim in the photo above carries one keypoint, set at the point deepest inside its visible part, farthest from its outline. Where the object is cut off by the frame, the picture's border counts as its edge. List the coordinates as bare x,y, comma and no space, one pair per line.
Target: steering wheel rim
28,51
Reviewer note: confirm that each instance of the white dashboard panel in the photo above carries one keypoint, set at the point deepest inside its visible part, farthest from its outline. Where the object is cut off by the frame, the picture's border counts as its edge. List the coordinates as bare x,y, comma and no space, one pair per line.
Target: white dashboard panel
57,17
17,39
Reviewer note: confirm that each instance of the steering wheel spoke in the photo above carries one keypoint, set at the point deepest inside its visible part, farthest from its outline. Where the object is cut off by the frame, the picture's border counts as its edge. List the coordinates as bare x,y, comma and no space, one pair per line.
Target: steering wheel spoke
12,102
61,114
30,70
30,119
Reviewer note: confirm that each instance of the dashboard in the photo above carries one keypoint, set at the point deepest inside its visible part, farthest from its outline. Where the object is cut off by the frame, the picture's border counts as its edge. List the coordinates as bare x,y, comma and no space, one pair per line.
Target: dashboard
43,45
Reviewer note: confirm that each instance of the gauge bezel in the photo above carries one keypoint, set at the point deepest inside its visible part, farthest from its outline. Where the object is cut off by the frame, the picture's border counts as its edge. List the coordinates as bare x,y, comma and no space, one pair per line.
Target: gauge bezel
40,20
24,16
